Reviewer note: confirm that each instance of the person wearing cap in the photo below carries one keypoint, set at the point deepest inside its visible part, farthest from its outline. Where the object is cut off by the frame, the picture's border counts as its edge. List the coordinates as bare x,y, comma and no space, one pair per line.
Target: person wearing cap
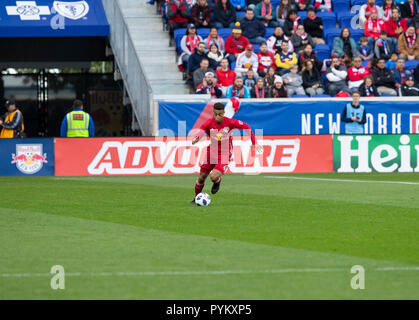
278,89
12,121
201,14
246,60
409,89
235,44
354,115
77,123
188,44
253,29
210,86
408,44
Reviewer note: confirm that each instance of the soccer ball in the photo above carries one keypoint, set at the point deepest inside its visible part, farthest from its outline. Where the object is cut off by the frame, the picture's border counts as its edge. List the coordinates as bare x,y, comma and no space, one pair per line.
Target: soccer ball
203,199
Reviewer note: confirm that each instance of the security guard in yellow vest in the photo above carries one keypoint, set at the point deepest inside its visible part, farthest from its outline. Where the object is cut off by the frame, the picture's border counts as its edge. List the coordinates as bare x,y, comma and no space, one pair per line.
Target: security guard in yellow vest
12,122
77,123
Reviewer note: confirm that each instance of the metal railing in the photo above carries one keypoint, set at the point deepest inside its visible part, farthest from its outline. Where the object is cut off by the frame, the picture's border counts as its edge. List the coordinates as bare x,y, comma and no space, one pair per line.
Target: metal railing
132,72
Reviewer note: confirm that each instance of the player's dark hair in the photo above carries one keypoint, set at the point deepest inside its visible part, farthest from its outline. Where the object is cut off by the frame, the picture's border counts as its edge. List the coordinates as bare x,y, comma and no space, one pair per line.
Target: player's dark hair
219,106
77,104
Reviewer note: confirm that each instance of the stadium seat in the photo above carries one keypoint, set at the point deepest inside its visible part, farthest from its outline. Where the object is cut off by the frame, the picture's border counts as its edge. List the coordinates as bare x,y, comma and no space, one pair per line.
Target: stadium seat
269,32
340,5
330,34
329,20
224,33
178,34
302,15
322,51
240,15
203,32
321,96
357,2
299,96
275,3
345,19
357,34
411,64
256,48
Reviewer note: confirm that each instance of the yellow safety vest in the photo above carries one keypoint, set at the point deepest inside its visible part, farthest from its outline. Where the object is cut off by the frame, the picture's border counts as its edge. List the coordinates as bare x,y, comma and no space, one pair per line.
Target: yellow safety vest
9,133
78,124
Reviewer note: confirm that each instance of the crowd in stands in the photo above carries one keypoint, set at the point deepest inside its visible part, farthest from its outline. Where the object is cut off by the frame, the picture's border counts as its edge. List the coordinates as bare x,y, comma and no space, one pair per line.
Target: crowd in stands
285,48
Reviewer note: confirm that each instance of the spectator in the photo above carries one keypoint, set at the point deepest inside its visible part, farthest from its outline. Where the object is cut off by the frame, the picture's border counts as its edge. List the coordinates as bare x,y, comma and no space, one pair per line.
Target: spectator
302,5
259,91
336,76
373,27
210,86
323,5
291,23
391,63
214,38
354,115
383,79
251,4
238,5
249,80
409,9
278,90
409,89
356,74
238,89
235,44
300,38
201,14
270,77
188,44
383,47
195,58
309,54
395,26
365,12
400,74
199,74
178,14
285,59
416,74
77,123
266,13
367,88
364,50
293,82
246,60
408,44
225,76
312,80
266,60
344,44
282,11
253,29
224,15
12,122
314,26
274,42
388,7
215,54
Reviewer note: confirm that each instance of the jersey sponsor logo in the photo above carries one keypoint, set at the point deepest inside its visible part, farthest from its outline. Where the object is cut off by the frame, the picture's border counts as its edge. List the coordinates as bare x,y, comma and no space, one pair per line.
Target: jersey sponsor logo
180,157
78,116
29,158
73,10
27,10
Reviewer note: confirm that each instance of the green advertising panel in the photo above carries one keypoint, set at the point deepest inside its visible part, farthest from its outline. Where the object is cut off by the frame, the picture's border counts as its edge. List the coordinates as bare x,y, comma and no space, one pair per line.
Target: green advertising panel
376,153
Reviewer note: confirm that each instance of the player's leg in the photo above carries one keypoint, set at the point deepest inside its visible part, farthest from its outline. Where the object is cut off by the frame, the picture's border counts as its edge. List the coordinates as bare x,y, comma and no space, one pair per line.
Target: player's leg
215,176
200,182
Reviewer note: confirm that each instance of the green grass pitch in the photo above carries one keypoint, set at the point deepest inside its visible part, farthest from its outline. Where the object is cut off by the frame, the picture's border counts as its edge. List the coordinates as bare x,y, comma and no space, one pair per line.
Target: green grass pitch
262,237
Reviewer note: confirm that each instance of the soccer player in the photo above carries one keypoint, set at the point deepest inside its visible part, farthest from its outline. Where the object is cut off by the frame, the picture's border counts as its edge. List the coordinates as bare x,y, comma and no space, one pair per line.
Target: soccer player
219,129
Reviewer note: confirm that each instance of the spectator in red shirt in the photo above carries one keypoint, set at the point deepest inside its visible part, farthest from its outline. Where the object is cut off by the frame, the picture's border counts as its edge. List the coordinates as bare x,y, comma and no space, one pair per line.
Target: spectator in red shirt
373,27
225,76
235,44
356,74
178,14
395,26
266,60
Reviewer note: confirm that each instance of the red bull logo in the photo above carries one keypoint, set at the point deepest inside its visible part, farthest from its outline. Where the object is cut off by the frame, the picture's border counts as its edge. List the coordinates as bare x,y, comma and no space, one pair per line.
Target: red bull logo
29,158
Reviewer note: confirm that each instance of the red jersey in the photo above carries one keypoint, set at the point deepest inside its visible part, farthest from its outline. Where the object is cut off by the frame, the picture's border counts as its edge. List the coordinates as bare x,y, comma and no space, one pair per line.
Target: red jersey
221,133
225,78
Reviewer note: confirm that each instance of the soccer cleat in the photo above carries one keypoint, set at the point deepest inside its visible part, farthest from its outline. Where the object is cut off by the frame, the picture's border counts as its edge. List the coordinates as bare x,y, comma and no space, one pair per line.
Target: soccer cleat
192,202
215,187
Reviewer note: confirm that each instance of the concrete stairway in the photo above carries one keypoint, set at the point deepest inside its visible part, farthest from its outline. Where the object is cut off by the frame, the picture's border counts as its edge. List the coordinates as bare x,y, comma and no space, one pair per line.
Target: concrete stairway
152,45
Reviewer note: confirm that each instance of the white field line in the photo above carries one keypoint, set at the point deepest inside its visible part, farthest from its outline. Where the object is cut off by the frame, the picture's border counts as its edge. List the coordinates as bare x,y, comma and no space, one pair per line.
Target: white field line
201,273
343,180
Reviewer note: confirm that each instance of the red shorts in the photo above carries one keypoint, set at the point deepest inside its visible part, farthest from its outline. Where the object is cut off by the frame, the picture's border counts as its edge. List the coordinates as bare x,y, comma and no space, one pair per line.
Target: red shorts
221,164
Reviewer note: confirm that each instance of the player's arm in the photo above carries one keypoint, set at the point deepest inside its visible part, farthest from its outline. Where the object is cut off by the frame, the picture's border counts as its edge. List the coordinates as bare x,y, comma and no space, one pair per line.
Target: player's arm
237,124
203,129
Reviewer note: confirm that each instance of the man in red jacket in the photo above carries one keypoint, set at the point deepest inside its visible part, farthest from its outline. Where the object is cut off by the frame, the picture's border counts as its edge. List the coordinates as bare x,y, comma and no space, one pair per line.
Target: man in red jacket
178,14
356,74
225,76
395,26
266,60
373,27
235,44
